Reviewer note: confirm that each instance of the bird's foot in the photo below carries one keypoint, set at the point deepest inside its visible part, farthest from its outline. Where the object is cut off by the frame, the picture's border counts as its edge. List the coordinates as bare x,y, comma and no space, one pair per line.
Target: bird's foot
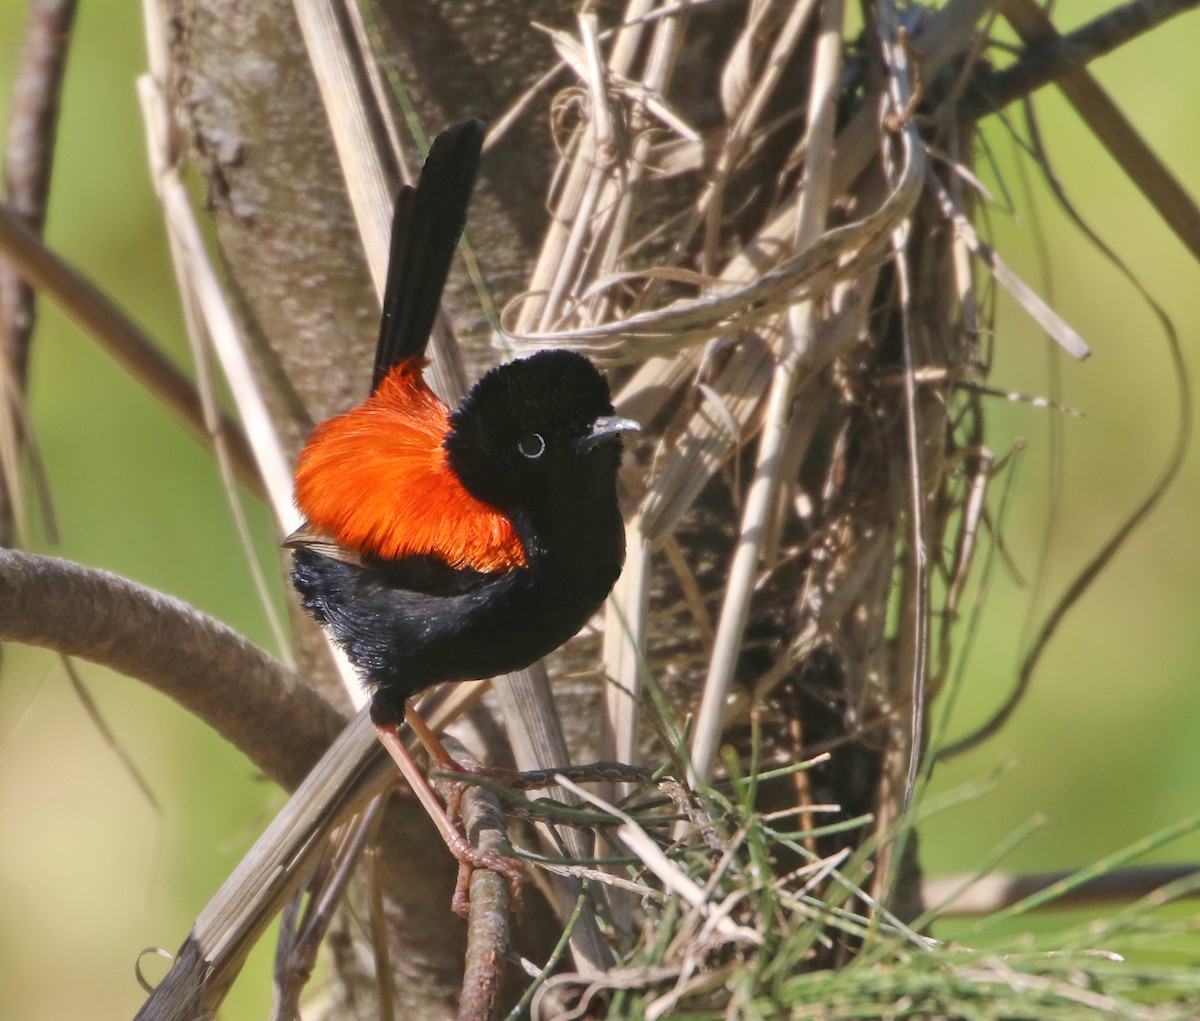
471,858
511,869
449,824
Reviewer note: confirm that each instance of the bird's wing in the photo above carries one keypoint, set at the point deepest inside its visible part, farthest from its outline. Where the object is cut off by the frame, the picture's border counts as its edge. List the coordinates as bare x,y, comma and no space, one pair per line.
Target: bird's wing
377,480
310,538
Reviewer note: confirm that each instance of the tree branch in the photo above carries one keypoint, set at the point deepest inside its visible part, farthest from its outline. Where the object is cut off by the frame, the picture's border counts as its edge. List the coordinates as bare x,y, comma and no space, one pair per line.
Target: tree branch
29,156
961,896
1047,61
488,921
28,160
248,697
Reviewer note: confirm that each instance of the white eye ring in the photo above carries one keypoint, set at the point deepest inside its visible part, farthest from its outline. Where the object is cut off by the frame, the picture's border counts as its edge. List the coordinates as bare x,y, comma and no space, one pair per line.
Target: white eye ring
532,445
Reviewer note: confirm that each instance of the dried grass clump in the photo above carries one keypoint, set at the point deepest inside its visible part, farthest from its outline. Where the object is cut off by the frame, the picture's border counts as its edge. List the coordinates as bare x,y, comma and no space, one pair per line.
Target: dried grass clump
798,311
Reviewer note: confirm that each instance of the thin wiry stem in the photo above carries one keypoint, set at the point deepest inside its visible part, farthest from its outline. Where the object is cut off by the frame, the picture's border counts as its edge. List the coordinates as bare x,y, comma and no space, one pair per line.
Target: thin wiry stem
1100,560
916,655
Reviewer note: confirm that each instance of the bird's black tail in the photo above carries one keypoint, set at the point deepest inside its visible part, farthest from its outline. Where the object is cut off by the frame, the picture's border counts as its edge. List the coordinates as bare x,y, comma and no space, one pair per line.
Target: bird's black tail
426,225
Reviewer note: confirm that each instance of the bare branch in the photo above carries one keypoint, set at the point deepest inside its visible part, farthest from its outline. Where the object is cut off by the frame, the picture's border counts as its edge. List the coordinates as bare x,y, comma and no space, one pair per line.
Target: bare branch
983,895
249,698
28,160
1116,133
301,932
29,155
1057,56
488,922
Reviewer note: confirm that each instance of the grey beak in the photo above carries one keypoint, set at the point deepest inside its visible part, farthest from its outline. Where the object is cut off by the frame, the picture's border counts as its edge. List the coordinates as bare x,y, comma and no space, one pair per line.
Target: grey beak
609,425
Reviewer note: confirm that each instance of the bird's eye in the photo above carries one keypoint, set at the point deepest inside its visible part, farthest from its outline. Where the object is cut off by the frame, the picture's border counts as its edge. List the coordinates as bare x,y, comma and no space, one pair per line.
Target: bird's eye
531,445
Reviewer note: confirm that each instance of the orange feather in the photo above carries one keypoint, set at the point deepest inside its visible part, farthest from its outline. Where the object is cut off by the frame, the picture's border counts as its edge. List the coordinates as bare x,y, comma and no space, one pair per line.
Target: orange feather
376,480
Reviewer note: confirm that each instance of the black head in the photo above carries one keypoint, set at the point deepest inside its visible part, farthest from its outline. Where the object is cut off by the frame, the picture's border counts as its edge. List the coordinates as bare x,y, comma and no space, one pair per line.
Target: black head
536,435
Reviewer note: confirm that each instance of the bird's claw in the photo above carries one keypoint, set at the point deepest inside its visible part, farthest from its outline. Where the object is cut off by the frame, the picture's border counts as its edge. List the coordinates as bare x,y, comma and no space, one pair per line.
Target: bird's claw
471,858
512,871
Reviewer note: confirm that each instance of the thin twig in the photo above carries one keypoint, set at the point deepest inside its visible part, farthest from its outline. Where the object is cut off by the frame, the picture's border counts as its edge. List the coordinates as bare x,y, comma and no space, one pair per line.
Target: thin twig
28,162
1056,57
79,686
488,919
296,953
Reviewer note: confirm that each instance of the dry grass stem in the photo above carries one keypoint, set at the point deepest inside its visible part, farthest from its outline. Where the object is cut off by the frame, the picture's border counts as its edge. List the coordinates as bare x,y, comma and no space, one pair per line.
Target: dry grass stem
624,642
357,145
120,337
210,323
760,500
1038,309
365,158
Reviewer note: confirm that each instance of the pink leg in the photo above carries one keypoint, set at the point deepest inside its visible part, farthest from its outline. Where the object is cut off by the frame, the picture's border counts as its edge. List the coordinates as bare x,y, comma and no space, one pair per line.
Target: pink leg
468,857
442,758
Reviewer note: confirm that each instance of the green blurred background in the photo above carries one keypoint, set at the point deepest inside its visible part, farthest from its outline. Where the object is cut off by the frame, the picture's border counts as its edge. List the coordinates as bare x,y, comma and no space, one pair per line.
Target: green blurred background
1105,745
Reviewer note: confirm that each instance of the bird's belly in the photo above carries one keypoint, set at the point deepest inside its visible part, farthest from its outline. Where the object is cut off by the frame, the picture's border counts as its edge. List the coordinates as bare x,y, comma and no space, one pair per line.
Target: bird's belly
404,641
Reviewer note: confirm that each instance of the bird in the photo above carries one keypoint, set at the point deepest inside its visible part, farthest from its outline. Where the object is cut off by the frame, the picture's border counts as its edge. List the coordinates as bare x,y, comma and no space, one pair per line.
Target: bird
440,544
